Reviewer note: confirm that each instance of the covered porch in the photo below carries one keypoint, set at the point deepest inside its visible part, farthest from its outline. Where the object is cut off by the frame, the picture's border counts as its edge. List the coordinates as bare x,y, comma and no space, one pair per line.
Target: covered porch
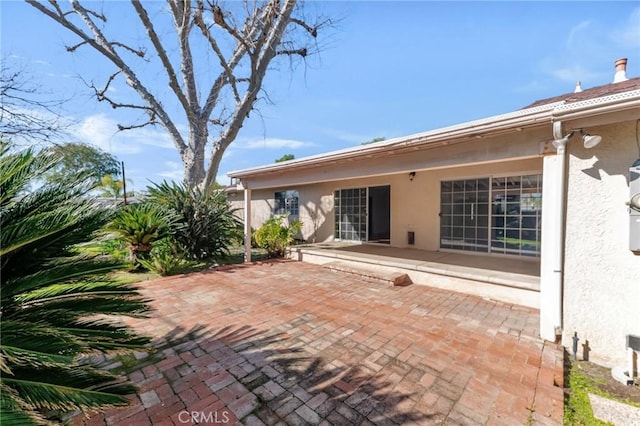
510,279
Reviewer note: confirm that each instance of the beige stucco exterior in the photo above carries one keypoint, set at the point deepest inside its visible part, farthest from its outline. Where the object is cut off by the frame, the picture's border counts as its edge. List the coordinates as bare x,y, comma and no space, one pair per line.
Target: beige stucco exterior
602,276
415,204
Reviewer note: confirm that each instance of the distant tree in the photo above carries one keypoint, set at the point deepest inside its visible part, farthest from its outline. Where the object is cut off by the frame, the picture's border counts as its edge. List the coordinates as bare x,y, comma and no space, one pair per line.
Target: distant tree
111,188
25,114
285,157
78,159
215,87
374,140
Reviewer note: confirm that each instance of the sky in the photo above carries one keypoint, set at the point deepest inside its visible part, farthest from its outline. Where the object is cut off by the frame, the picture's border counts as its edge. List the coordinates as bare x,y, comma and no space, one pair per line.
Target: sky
385,69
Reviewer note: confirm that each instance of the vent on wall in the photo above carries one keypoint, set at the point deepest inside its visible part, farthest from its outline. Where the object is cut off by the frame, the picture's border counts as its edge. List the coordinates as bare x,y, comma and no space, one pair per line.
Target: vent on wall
411,238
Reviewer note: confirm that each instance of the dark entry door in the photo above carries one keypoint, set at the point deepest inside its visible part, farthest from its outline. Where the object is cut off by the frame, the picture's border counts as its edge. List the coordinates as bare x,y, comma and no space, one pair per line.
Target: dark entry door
380,214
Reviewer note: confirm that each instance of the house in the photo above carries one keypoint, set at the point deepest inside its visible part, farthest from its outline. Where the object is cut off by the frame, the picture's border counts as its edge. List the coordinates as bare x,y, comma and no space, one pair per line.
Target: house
530,207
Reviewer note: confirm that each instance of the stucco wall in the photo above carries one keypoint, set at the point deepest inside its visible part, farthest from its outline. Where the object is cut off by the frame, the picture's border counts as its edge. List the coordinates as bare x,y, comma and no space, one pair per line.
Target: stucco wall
602,277
415,205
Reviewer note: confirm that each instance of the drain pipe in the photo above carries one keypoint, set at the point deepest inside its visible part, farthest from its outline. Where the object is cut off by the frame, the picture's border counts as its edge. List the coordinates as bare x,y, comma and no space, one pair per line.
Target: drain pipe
560,143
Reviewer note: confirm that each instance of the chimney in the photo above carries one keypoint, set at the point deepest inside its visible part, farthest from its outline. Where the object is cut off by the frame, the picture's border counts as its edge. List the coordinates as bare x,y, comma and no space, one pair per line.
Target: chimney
621,70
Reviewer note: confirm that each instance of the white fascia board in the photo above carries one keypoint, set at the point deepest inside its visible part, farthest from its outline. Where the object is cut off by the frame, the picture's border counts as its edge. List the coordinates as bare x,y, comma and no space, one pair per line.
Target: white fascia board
591,107
512,120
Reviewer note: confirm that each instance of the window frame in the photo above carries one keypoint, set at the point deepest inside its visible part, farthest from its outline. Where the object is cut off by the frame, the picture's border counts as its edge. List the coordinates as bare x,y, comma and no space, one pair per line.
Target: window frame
287,202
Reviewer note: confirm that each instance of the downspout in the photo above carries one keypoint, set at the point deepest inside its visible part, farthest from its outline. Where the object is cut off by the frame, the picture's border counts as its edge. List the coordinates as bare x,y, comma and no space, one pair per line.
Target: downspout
560,143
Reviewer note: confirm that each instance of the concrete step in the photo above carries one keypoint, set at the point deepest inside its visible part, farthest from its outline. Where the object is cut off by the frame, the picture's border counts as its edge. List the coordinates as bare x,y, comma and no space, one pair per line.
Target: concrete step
370,274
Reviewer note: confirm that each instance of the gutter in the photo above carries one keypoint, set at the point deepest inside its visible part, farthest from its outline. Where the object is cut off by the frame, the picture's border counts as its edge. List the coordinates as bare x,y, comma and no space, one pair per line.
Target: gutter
478,128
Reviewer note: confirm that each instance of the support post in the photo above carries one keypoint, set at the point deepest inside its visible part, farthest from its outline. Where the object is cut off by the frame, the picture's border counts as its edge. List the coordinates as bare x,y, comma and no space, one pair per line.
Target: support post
247,225
124,185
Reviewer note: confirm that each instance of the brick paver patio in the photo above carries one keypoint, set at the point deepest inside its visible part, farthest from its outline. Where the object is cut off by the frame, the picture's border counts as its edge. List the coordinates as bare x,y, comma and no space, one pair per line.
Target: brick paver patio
290,343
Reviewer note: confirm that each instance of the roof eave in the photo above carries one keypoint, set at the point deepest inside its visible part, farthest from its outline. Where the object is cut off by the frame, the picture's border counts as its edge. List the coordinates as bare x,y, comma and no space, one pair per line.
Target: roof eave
511,121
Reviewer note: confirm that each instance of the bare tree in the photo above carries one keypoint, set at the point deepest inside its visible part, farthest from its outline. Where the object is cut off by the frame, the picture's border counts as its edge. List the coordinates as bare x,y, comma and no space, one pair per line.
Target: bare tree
242,38
26,115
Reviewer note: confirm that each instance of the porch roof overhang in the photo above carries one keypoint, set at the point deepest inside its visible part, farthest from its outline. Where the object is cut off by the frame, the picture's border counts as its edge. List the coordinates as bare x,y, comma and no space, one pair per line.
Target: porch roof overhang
591,112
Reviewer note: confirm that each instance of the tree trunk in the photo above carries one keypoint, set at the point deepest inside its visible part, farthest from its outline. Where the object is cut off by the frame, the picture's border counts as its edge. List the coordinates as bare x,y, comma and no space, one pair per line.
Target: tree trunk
193,157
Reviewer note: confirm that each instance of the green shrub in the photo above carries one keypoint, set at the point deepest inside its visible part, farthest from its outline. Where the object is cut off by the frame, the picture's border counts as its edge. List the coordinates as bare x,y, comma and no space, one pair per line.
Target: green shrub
206,226
274,236
163,260
139,225
114,248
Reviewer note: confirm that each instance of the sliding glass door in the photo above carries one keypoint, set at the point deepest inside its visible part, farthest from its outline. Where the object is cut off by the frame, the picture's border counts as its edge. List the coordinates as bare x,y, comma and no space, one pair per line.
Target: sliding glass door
492,215
516,213
350,207
464,214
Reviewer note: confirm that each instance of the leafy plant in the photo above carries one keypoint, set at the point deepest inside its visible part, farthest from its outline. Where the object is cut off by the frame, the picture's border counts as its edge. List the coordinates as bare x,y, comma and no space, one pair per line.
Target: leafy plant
54,304
139,225
163,260
275,236
113,247
206,224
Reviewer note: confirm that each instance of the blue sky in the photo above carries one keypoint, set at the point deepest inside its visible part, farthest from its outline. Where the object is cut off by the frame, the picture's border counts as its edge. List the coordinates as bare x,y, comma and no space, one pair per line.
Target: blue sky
387,69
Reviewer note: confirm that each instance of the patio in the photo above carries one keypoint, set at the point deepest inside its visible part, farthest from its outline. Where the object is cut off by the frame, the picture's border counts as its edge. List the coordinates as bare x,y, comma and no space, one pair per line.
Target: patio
290,343
508,279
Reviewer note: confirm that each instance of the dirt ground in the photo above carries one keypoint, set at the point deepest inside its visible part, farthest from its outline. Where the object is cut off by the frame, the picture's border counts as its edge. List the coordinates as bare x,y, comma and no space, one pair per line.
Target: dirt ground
605,382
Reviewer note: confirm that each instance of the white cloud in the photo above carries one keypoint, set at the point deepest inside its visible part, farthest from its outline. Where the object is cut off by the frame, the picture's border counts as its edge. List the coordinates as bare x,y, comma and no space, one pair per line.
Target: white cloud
628,35
102,131
273,143
354,138
574,73
574,33
174,171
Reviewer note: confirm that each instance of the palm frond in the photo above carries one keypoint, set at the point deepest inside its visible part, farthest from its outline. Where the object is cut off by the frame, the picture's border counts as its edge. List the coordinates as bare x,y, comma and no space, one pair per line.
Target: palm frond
91,304
20,357
52,309
49,391
16,412
38,337
44,282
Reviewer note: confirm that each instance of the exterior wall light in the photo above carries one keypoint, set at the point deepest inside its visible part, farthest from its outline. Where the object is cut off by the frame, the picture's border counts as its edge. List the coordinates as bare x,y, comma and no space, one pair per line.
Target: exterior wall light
412,175
588,140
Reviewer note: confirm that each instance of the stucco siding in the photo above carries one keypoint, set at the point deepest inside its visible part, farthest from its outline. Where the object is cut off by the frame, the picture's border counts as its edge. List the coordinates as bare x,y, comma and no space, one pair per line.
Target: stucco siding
602,276
415,204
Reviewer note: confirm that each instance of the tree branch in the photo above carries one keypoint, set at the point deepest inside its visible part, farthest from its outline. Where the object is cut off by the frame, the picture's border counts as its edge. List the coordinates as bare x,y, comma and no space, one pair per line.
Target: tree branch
199,21
100,44
138,52
162,53
290,52
268,52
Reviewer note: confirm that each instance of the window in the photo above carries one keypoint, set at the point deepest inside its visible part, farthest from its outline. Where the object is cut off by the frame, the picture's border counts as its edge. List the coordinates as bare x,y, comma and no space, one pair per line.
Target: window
286,202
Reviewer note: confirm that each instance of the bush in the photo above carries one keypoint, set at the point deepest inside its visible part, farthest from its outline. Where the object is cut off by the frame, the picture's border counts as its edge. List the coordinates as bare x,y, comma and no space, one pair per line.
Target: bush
274,236
163,260
139,225
114,248
206,224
